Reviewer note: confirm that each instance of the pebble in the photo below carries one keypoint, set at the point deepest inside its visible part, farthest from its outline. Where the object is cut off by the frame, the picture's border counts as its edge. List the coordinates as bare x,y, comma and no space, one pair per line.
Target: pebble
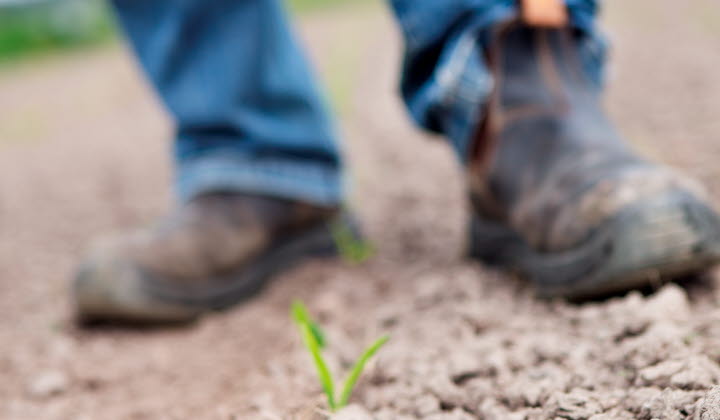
48,384
709,407
352,412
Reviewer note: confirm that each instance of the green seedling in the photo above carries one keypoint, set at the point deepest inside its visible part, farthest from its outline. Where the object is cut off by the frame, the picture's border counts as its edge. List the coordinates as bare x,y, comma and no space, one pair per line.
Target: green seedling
351,248
301,316
314,339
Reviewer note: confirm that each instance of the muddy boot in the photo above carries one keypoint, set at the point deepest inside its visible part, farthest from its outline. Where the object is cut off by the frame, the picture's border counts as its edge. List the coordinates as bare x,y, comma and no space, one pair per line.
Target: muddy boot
559,197
212,253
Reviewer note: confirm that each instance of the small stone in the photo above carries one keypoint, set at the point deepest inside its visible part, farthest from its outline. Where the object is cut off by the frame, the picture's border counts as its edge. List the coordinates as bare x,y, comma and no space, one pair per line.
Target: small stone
668,405
700,373
456,414
48,384
636,398
426,404
613,415
708,408
492,410
670,303
352,412
576,405
697,372
660,374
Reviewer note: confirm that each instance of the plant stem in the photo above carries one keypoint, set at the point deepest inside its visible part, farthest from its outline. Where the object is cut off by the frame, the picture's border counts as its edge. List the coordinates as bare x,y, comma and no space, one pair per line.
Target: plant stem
323,372
357,370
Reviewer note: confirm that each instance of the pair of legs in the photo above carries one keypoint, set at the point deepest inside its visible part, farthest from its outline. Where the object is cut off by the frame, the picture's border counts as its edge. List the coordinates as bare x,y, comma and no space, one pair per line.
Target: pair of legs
555,192
249,114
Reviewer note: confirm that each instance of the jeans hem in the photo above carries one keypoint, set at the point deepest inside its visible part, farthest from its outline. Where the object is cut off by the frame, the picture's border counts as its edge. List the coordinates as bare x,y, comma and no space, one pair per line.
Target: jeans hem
289,179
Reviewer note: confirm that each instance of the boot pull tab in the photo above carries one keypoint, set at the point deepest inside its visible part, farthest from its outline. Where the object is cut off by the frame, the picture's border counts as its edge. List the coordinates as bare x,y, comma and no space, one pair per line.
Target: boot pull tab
544,13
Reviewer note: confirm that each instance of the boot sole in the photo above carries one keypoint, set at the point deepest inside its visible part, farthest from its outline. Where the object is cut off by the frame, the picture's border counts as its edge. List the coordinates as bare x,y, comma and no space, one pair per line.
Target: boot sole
237,286
643,245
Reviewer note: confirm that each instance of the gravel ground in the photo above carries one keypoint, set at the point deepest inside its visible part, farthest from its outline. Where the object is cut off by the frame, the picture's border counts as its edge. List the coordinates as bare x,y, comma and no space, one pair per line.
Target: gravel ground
82,154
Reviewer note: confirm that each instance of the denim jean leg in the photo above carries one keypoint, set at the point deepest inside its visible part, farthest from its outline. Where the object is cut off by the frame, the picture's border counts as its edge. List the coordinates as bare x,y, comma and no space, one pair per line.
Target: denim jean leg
248,113
445,80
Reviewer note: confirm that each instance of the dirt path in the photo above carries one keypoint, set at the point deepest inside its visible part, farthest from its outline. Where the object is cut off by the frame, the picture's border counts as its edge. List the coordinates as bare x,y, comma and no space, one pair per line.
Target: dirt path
80,155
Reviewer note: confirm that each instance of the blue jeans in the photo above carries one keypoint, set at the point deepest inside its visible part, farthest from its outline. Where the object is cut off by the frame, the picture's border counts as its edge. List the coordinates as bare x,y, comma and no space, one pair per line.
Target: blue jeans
248,112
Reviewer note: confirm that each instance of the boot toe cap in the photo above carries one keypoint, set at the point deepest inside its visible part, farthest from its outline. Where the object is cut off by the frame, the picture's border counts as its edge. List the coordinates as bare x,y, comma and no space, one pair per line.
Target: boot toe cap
110,288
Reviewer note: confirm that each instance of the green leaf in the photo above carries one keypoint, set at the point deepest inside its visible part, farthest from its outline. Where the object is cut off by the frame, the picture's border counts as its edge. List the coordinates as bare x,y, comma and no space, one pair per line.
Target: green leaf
358,369
300,313
301,316
323,372
313,338
353,249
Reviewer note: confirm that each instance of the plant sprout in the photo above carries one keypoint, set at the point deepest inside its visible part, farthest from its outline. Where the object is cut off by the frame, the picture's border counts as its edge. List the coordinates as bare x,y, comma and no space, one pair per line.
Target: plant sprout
314,340
351,248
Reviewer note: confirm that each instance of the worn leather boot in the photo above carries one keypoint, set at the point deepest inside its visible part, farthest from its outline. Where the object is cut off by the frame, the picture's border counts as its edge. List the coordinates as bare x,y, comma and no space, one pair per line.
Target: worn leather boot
559,197
212,253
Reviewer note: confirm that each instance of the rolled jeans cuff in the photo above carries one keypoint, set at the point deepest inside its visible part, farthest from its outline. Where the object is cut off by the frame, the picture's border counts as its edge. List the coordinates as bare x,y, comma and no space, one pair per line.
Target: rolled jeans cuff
450,101
284,178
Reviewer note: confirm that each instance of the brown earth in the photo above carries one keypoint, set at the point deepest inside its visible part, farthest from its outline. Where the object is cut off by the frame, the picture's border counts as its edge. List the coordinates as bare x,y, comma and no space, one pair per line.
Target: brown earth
81,155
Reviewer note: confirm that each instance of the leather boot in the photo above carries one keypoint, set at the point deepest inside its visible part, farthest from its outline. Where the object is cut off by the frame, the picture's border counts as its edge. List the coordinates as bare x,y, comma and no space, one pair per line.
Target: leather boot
214,252
559,197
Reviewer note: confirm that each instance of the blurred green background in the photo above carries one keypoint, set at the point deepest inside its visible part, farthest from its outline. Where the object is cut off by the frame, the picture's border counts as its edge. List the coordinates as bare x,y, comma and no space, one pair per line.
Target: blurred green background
30,27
